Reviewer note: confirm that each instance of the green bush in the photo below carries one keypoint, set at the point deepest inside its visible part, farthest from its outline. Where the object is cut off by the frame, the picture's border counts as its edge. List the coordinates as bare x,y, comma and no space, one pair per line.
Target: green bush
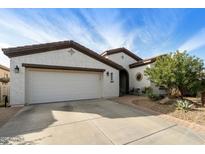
183,105
178,70
148,91
154,97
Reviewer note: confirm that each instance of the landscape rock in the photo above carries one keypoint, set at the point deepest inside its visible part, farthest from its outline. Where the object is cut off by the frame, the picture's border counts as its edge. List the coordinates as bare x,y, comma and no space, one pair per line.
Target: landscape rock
165,100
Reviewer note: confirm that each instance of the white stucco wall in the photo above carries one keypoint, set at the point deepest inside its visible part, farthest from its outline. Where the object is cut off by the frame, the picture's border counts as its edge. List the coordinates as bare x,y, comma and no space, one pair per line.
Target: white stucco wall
145,82
59,58
139,84
125,62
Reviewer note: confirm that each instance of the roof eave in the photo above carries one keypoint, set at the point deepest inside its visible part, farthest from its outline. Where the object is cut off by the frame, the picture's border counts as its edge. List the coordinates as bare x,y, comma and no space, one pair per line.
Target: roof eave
4,68
118,50
140,64
34,49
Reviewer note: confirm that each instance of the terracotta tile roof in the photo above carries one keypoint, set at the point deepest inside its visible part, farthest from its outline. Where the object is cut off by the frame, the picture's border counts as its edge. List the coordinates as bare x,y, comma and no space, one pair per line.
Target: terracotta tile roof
39,48
124,50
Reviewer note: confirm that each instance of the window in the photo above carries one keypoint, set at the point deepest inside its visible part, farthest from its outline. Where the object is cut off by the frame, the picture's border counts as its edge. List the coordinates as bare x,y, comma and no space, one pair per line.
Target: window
111,77
6,75
139,76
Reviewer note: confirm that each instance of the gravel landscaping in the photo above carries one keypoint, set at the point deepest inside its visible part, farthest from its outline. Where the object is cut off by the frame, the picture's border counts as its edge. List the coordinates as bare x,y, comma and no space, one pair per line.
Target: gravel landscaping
196,114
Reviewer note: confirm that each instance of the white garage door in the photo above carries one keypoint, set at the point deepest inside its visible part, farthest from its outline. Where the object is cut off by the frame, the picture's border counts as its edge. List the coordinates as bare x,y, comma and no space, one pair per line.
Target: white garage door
52,86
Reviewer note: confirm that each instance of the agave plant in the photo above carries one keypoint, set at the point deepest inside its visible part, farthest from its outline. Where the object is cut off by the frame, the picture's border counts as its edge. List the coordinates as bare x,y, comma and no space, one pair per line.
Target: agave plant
183,105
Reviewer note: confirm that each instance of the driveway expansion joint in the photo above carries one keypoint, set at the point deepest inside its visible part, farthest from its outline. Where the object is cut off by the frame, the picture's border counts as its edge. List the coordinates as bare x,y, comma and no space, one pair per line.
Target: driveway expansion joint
58,125
154,133
104,134
194,126
100,122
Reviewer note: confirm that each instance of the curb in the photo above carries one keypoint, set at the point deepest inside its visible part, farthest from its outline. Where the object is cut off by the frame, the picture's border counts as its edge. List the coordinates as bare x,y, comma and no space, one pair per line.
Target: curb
191,125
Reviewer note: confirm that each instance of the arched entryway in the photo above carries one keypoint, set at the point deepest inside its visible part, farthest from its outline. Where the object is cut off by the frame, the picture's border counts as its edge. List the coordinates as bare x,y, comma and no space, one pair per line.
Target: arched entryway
124,82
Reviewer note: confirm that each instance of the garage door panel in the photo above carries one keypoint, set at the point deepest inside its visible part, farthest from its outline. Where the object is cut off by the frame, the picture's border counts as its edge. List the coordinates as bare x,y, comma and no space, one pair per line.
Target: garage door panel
51,86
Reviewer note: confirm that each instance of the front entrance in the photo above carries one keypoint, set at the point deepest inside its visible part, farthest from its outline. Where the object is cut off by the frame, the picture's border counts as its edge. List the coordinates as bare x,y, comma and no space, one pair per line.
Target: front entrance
124,82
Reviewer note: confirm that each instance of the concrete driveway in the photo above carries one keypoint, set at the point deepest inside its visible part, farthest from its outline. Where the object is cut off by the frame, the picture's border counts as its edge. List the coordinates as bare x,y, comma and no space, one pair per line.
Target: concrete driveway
92,122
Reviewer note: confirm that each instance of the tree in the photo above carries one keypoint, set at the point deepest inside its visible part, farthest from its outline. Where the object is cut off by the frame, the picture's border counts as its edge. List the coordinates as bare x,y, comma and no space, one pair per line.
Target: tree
178,71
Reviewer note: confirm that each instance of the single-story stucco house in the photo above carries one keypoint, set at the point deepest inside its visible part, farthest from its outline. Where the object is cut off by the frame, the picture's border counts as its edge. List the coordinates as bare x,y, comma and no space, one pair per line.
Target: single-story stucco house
66,70
4,82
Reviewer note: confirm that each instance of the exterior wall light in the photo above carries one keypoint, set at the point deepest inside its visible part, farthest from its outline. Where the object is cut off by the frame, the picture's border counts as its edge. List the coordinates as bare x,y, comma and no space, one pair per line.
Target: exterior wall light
107,73
16,69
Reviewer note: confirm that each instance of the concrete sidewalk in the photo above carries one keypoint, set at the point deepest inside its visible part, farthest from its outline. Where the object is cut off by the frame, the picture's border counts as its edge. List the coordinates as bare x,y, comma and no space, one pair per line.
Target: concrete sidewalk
92,122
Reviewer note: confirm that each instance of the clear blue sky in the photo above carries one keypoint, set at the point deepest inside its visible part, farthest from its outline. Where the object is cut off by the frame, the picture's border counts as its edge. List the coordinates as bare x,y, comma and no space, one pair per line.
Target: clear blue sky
146,32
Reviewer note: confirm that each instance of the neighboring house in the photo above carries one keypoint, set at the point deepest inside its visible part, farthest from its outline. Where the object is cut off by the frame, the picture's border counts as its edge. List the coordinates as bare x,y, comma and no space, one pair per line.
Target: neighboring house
4,85
66,70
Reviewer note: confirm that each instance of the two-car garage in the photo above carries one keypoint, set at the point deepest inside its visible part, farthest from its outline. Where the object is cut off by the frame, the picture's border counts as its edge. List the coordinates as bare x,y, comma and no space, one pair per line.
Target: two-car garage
60,71
50,85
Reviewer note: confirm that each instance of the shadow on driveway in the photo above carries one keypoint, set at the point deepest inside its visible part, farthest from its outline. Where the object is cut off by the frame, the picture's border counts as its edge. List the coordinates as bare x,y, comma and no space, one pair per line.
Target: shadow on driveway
108,115
35,118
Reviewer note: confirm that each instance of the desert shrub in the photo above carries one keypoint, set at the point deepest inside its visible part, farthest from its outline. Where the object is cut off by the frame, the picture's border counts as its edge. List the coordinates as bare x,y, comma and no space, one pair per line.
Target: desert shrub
183,105
179,71
154,97
148,90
